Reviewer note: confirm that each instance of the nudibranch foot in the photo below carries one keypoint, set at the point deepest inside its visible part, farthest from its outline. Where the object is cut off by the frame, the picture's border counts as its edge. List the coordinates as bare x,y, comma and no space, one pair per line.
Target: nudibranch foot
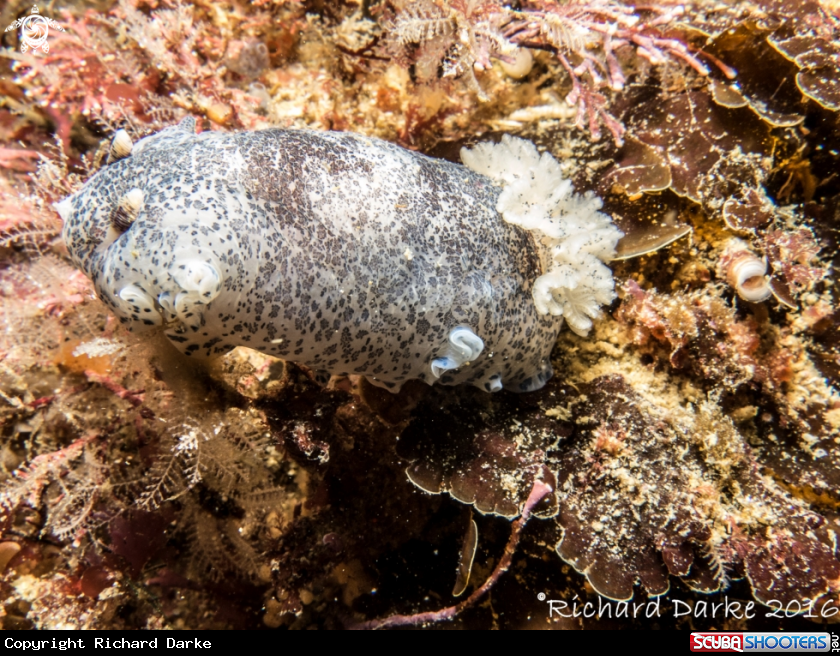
538,380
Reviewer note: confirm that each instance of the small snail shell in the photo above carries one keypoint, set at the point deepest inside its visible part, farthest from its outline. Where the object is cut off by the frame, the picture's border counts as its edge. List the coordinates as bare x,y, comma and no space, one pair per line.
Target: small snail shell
523,62
127,210
120,146
745,271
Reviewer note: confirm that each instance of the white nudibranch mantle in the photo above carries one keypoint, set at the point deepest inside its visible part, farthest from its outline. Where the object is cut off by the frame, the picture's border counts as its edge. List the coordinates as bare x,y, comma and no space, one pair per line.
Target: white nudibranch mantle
578,239
345,253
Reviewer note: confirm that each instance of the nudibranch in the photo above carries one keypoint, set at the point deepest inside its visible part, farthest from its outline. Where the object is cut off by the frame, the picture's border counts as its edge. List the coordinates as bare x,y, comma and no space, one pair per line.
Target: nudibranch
345,253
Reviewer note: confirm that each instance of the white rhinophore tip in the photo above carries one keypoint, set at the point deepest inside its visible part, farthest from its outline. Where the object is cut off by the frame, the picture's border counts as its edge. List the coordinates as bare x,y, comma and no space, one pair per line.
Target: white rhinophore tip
462,347
199,278
126,211
121,146
466,343
137,302
441,365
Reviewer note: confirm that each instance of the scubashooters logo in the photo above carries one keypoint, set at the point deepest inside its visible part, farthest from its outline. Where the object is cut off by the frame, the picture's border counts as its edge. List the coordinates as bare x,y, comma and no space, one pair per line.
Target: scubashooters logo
34,30
719,641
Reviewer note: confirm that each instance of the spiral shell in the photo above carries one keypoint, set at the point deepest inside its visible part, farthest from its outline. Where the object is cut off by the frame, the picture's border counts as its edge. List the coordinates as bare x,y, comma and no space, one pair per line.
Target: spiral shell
745,271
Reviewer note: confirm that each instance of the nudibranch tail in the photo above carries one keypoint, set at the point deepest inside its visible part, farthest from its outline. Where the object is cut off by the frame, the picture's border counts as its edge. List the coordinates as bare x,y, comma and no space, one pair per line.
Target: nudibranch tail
575,236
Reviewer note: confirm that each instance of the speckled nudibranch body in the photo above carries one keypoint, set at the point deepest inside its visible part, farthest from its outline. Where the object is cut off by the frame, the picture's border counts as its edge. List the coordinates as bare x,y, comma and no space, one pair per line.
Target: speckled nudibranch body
338,251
